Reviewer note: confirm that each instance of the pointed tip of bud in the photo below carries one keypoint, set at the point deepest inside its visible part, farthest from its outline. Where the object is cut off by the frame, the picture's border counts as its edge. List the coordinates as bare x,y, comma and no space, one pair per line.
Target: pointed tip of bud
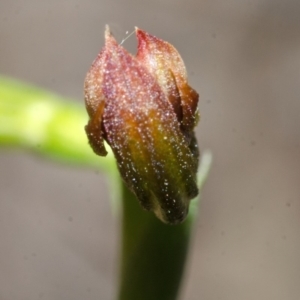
143,37
109,38
107,32
138,30
140,38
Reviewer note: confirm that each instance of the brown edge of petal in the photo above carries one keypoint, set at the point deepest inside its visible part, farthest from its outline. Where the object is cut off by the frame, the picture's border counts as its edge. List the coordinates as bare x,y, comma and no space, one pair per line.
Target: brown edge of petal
94,104
95,133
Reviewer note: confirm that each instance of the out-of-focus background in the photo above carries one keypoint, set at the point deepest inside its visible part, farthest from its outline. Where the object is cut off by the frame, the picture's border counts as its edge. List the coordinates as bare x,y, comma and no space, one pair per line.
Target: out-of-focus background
58,236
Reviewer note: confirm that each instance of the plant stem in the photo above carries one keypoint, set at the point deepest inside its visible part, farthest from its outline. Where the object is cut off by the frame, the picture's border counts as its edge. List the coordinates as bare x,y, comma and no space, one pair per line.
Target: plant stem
46,124
153,253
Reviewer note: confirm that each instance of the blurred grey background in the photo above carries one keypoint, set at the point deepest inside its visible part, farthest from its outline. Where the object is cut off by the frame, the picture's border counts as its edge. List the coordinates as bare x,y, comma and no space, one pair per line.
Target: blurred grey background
58,236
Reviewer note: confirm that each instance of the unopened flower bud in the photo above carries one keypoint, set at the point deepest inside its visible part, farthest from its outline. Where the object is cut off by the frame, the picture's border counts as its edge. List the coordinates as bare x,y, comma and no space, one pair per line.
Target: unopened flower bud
144,109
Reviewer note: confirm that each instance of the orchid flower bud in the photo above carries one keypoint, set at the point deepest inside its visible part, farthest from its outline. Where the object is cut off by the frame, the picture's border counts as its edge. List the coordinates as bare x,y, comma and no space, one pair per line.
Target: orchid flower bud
144,109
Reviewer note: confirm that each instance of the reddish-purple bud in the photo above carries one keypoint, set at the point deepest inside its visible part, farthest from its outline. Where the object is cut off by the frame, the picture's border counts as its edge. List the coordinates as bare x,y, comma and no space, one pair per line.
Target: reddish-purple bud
144,109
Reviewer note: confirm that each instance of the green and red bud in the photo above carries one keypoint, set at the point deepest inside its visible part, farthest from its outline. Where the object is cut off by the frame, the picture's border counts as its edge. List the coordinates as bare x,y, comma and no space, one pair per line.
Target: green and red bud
144,109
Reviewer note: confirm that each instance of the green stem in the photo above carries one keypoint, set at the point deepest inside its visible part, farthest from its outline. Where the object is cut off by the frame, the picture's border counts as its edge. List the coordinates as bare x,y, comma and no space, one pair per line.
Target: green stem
46,124
153,253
